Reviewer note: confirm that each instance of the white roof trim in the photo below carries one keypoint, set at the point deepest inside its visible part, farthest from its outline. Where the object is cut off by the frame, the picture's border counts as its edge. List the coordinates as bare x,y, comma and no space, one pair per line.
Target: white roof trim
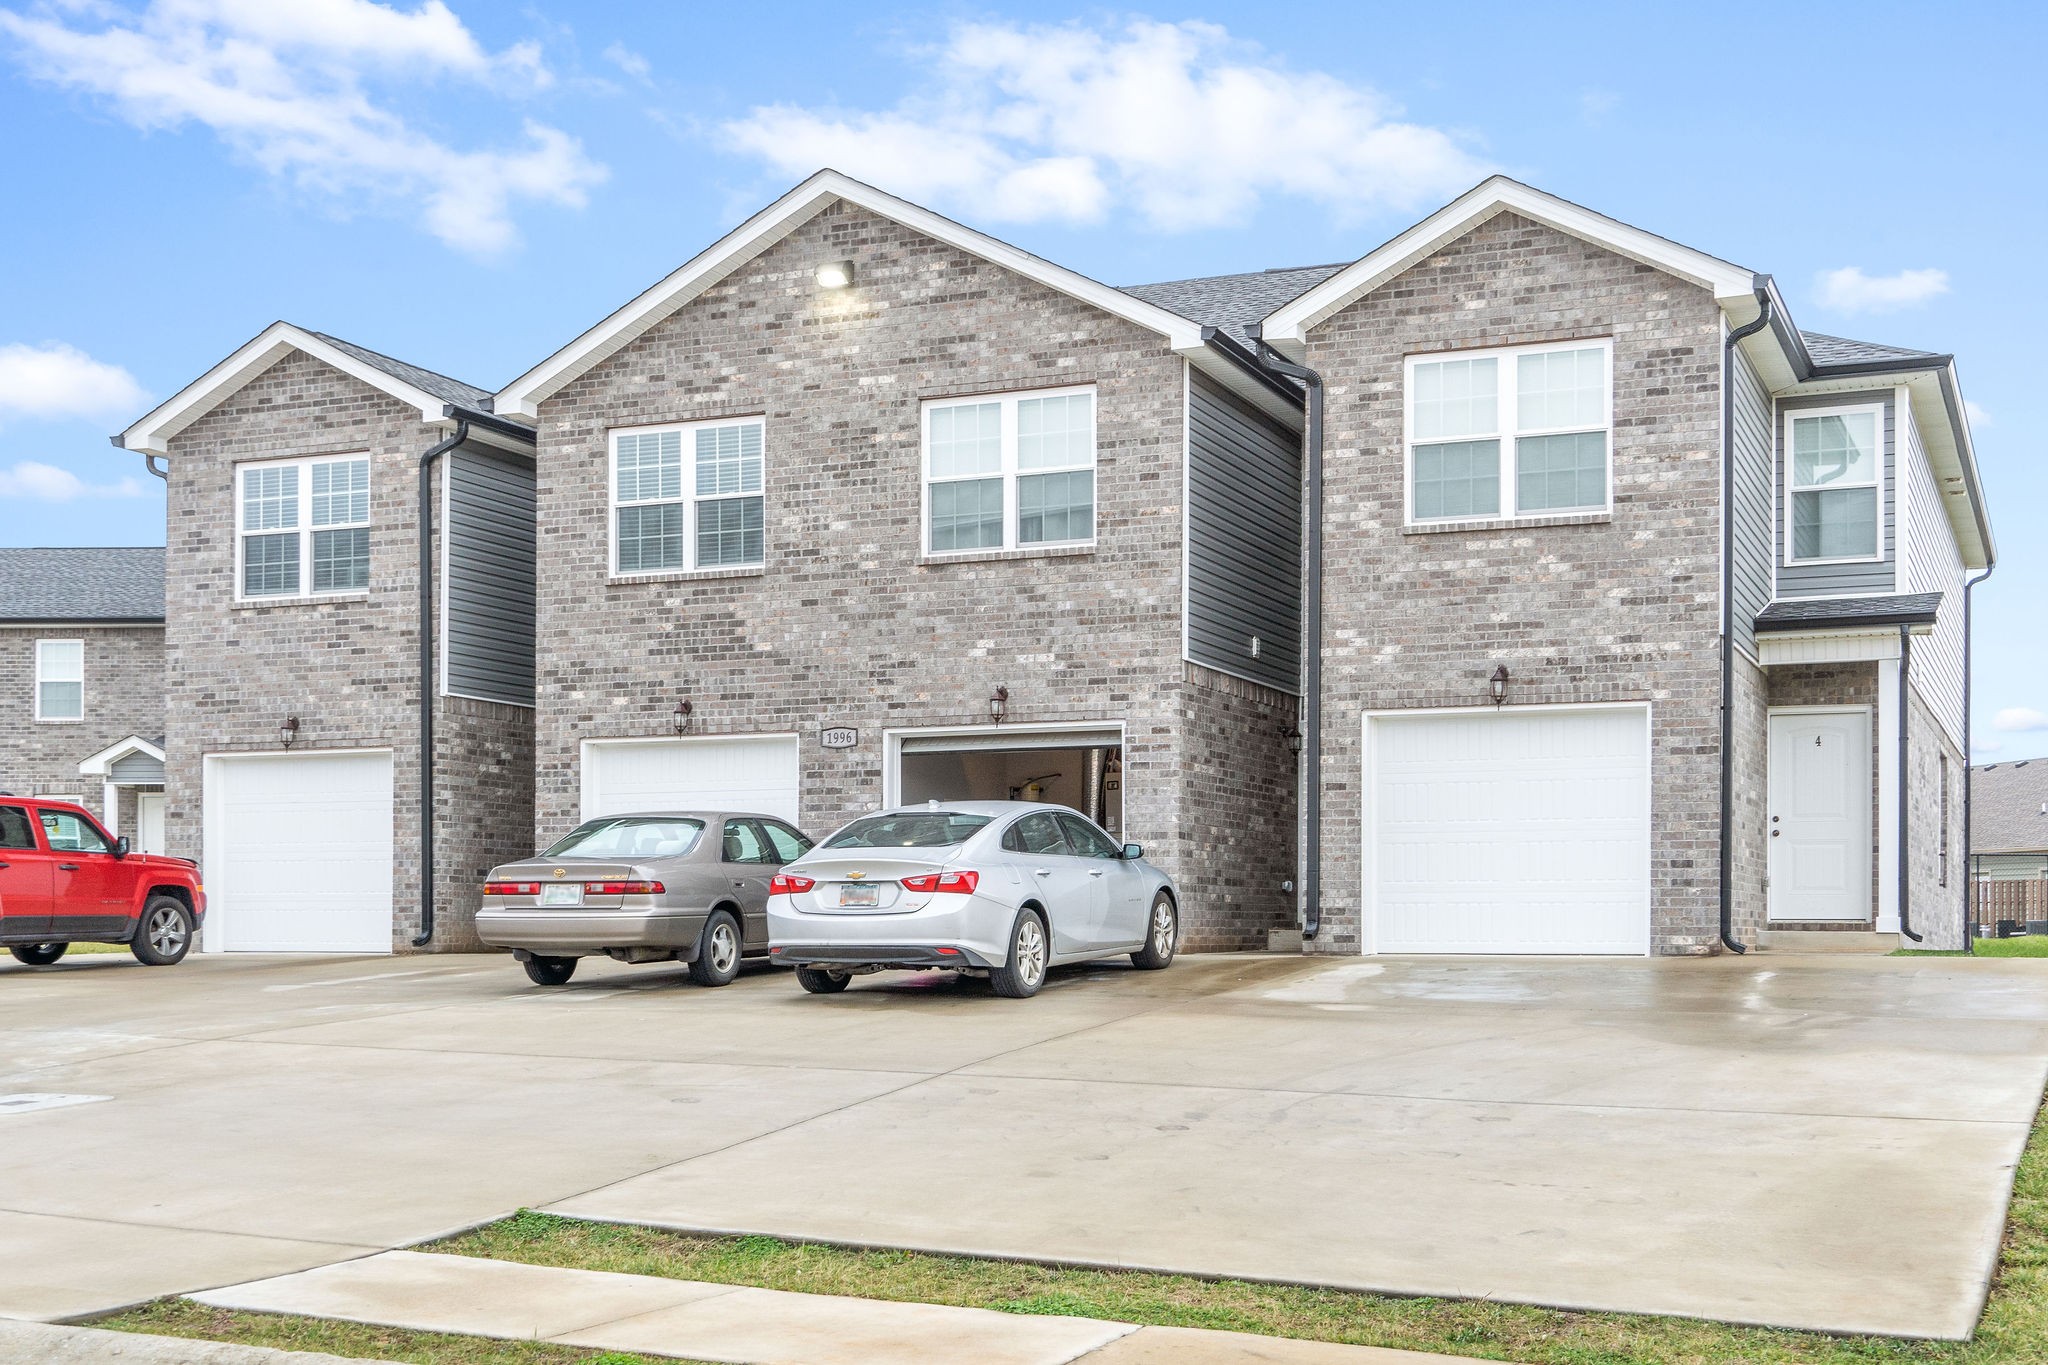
524,395
151,435
1287,327
99,764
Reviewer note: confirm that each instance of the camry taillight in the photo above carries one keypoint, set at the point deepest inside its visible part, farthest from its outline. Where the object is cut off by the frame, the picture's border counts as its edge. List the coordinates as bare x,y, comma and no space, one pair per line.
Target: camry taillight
623,888
789,884
944,883
511,888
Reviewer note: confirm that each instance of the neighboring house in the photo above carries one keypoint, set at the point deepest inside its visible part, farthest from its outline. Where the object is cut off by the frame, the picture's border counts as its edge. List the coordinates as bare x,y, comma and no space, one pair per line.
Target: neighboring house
2009,840
296,699
861,506
82,668
1525,531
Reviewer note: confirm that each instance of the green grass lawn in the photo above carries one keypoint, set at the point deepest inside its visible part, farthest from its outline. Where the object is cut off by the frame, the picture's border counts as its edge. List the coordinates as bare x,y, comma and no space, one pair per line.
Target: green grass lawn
2029,946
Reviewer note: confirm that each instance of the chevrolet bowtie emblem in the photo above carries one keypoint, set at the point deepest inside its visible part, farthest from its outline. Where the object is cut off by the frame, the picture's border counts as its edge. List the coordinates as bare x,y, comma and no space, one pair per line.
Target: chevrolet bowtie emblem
561,872
855,876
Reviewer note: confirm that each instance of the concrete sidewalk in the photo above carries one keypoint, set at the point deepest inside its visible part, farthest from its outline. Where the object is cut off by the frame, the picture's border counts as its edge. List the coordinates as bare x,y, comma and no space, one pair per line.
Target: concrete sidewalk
723,1322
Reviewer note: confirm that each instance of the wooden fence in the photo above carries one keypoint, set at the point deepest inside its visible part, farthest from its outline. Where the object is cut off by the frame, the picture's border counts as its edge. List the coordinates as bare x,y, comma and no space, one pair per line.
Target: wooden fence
2014,901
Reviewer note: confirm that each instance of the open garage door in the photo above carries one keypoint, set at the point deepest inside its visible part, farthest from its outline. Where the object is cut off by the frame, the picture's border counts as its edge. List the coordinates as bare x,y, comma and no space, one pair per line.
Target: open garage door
717,772
298,852
1517,831
1081,768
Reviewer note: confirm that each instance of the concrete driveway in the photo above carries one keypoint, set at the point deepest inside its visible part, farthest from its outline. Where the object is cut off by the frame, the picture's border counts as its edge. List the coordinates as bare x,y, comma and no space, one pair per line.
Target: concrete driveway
1822,1142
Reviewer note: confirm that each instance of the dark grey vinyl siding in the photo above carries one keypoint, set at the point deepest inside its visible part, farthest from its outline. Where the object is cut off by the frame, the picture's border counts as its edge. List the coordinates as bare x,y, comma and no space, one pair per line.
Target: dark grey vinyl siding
490,559
1840,580
137,770
1754,537
1244,539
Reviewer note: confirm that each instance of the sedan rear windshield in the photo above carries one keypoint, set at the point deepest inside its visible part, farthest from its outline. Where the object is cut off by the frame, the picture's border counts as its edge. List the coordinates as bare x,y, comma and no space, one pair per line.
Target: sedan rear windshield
629,837
925,829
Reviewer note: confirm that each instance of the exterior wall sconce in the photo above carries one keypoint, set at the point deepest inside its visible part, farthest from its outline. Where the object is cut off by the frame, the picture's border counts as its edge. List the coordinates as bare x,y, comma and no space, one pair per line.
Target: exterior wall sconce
835,275
681,715
1497,685
1293,737
998,705
288,730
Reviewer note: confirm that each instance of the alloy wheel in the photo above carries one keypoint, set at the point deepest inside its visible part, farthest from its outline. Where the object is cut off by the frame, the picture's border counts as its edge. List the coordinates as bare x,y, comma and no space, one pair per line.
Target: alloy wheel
1162,928
1030,950
167,931
725,947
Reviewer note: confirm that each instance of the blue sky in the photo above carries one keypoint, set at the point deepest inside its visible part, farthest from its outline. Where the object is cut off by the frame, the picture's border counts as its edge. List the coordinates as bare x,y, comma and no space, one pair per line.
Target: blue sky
467,185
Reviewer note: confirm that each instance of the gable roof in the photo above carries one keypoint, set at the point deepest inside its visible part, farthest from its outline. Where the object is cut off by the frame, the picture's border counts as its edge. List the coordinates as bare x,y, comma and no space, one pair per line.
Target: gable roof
433,394
2006,801
99,764
82,583
1827,350
524,395
1234,303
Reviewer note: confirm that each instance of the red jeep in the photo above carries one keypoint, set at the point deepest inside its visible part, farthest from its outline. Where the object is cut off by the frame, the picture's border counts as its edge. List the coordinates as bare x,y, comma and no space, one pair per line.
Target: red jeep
63,881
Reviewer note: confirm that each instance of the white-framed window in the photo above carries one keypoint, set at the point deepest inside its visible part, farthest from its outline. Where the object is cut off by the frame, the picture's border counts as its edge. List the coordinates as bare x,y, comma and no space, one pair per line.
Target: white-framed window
60,680
1009,471
689,497
1834,484
302,527
1521,431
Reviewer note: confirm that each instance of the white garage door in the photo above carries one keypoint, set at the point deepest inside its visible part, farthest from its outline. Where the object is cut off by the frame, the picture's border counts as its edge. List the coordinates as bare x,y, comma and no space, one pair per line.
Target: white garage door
298,853
750,773
1509,831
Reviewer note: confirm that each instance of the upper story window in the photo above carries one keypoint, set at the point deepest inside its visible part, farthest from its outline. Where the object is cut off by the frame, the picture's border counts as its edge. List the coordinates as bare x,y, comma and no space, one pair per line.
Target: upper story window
1834,484
689,497
303,527
1510,433
60,680
1010,471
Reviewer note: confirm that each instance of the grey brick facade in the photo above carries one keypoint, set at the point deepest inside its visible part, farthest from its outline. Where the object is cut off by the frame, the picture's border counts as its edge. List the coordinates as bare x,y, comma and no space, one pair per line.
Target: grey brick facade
848,624
348,667
124,695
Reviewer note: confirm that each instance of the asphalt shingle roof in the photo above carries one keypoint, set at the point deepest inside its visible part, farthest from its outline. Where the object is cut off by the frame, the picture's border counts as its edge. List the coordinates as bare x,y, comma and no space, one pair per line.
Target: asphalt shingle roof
1233,302
106,583
1906,609
1827,350
2009,807
440,385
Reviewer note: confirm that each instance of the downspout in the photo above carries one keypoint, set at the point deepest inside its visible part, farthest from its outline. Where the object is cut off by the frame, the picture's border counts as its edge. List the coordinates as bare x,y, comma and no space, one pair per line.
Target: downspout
149,463
1312,653
1969,862
433,453
1763,320
1905,821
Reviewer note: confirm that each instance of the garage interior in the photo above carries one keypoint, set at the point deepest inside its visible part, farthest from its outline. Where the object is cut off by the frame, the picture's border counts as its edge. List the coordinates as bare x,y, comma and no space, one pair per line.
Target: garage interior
1084,772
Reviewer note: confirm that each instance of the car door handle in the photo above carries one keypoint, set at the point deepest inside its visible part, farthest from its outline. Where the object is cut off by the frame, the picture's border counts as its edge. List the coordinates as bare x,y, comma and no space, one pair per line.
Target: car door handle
1095,872
1042,872
67,867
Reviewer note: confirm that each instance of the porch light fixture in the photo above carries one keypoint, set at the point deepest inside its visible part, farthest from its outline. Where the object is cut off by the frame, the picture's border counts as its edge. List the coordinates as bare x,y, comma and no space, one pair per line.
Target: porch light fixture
1497,685
835,274
1294,739
681,715
288,730
998,705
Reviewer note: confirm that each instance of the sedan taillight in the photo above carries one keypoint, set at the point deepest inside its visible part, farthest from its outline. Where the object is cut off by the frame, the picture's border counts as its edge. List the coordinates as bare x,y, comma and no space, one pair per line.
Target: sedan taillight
789,884
511,888
623,888
945,883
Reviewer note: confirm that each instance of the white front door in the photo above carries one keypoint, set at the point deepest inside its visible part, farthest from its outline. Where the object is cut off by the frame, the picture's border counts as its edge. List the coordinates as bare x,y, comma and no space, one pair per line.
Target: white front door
298,852
756,774
149,822
1820,831
1525,830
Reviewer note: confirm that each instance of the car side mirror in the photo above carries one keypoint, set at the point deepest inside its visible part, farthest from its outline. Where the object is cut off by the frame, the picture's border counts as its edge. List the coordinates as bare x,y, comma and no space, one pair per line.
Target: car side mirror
121,847
1133,852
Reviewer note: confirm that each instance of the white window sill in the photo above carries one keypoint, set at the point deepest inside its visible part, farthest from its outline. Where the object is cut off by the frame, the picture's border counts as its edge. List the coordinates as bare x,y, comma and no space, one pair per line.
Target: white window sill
60,720
1430,528
689,575
322,599
991,556
1825,563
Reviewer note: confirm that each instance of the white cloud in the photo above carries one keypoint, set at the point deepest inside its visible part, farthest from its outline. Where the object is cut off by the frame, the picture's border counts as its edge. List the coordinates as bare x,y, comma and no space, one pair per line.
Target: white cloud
1975,411
47,483
1179,122
1596,105
1986,747
2020,719
628,61
1849,290
287,87
56,380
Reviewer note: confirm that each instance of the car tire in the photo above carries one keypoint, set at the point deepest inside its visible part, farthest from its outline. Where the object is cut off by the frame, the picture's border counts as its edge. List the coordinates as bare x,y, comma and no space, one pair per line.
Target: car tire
165,934
1023,972
1162,935
550,971
822,980
718,951
38,954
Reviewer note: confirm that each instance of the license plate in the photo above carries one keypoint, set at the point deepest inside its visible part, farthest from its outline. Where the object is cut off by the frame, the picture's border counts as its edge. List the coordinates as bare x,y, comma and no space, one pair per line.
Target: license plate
860,895
569,894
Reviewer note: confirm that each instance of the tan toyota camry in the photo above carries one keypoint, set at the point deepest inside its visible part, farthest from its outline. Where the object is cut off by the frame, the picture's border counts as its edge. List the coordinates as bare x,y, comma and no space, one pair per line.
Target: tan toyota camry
662,886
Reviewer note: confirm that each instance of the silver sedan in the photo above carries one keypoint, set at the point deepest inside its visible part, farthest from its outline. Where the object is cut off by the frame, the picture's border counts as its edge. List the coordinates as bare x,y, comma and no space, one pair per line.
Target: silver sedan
1002,888
661,886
